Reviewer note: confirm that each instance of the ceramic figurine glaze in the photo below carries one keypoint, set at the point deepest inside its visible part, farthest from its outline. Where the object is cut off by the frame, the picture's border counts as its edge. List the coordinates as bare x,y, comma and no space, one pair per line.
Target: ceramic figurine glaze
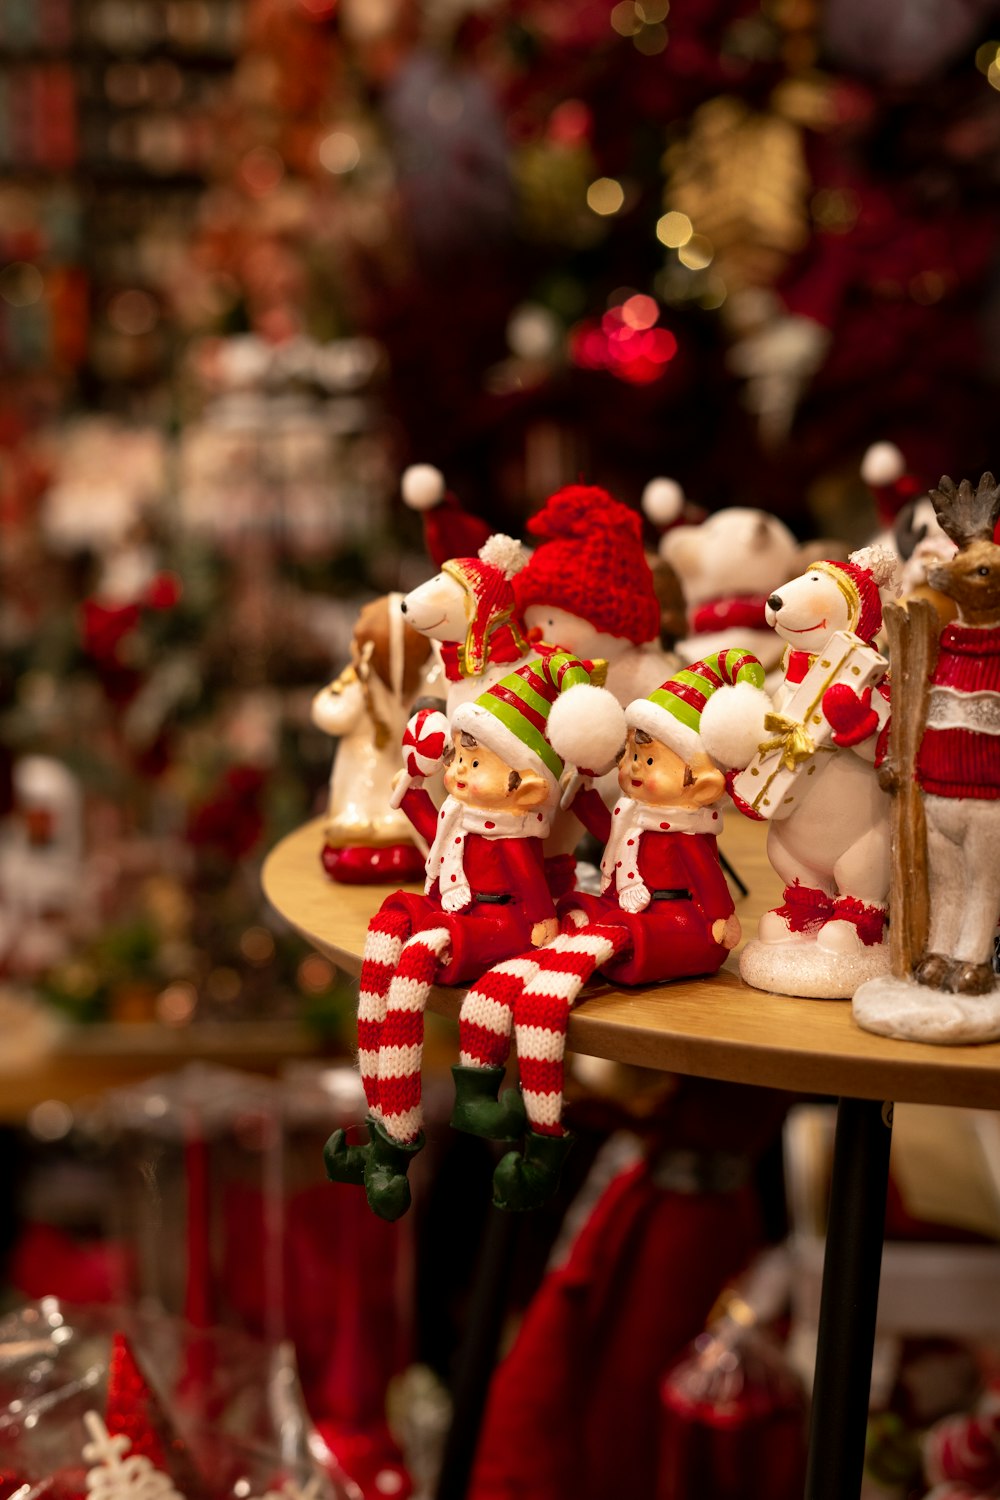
665,912
485,895
943,765
366,841
812,777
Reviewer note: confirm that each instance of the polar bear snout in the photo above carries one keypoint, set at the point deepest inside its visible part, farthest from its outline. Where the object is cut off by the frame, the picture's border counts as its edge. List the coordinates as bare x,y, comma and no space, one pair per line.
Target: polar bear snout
438,609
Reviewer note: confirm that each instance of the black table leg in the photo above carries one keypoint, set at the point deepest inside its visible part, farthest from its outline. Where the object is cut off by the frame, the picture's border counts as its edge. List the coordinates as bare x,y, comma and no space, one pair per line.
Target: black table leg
478,1355
850,1300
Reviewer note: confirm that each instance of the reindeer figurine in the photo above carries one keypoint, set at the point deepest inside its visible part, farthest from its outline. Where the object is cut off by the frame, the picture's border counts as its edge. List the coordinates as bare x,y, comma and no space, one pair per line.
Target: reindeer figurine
944,759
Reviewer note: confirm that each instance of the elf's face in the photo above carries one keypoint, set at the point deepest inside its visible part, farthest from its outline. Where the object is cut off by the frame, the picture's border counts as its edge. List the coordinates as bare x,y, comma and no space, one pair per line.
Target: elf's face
651,772
480,778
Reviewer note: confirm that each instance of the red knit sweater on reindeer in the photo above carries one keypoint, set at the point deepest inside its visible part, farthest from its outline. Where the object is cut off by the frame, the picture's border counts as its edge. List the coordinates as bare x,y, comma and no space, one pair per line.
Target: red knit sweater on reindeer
958,756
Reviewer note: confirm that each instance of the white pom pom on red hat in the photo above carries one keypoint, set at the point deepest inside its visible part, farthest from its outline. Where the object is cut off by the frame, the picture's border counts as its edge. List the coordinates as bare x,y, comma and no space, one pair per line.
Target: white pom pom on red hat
662,501
882,464
587,727
504,553
881,563
422,486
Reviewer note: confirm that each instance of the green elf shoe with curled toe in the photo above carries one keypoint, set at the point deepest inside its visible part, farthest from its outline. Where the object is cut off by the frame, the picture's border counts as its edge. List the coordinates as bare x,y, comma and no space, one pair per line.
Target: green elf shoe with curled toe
386,1166
480,1108
524,1182
345,1163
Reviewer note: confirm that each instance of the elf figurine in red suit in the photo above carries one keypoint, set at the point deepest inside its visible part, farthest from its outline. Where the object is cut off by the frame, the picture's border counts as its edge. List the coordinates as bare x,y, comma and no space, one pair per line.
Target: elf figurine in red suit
485,897
664,912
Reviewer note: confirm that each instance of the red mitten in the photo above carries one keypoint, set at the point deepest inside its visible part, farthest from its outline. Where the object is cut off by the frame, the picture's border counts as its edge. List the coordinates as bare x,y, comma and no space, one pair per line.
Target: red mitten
851,715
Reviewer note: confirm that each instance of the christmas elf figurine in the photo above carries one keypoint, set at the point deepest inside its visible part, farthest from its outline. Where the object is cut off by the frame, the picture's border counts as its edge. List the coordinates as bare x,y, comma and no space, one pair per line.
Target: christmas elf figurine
485,896
664,912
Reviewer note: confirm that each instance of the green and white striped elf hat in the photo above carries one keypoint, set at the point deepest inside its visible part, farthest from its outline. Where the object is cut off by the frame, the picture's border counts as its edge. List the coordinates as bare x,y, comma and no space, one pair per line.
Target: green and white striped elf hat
672,714
547,712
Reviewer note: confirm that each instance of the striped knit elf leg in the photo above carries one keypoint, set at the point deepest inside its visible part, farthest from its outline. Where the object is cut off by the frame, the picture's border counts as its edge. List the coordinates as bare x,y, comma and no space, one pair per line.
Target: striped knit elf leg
486,1019
401,1050
541,1016
387,932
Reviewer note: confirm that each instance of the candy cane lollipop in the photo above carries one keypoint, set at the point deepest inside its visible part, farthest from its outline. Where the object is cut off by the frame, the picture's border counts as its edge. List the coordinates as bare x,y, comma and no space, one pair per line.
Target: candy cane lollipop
424,741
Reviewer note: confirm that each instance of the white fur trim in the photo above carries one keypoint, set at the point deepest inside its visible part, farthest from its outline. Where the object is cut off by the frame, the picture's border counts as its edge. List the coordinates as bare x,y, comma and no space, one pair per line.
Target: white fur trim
587,727
662,501
732,724
422,486
882,464
503,552
881,563
658,722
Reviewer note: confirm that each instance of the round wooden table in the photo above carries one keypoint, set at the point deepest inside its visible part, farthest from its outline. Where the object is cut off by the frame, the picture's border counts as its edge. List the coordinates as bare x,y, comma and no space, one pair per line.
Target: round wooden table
721,1028
714,1028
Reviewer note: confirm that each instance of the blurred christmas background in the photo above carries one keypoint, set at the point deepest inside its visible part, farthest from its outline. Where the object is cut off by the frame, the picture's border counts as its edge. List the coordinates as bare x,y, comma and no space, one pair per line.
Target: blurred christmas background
256,256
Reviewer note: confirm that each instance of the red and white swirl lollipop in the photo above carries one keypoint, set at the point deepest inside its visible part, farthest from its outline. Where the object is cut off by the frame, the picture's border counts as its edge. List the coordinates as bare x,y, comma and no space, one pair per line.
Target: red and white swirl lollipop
424,740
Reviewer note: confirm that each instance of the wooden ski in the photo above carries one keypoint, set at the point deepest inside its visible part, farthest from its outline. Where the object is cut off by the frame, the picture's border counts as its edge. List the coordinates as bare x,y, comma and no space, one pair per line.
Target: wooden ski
912,632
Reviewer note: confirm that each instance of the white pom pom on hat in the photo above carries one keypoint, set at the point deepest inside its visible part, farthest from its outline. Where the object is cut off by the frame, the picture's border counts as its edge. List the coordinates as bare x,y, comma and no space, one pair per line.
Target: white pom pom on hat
504,553
882,464
422,486
662,501
732,724
587,727
881,562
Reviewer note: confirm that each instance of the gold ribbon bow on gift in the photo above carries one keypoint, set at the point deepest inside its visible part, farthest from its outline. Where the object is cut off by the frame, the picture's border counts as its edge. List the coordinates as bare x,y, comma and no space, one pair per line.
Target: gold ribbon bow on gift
792,738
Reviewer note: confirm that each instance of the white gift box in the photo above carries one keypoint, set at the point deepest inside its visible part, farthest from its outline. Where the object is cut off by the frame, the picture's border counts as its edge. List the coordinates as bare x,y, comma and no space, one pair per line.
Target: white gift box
799,733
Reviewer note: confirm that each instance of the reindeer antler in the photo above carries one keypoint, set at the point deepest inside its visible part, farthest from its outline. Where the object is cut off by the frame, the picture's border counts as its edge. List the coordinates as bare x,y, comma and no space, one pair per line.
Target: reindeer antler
967,515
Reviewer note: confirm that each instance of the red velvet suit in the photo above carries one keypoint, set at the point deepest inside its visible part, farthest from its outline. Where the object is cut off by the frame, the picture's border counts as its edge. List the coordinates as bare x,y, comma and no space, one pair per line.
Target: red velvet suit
485,933
669,939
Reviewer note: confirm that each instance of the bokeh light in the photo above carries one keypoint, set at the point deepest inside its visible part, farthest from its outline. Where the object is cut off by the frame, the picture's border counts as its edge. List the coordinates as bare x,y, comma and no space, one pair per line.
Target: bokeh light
339,152
605,196
674,229
698,253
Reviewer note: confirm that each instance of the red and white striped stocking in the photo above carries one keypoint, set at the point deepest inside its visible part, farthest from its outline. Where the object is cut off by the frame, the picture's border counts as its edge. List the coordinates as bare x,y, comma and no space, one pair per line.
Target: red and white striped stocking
387,932
401,1049
541,1015
486,1020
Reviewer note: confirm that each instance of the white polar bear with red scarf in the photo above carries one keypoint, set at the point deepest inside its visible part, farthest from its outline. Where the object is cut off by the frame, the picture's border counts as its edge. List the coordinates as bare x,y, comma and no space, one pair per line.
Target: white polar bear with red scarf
809,755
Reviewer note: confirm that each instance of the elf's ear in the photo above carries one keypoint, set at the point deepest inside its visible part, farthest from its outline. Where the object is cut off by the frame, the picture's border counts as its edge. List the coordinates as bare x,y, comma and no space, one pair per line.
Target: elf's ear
531,792
707,784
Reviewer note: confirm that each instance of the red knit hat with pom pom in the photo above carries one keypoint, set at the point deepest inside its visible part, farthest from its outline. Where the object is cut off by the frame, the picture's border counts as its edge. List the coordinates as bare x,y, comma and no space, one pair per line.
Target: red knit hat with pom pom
449,529
591,564
859,579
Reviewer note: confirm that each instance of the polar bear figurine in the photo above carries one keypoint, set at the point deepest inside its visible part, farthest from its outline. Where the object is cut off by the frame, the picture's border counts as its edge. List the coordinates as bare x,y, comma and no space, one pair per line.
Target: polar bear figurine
814,739
727,567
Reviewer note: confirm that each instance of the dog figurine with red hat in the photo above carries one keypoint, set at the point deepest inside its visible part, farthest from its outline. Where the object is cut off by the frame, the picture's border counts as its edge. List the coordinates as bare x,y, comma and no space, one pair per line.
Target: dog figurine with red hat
485,895
665,912
913,530
808,757
468,609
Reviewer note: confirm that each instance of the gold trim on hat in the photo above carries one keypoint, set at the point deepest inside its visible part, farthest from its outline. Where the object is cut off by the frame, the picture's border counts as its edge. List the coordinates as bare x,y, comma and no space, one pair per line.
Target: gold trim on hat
845,584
